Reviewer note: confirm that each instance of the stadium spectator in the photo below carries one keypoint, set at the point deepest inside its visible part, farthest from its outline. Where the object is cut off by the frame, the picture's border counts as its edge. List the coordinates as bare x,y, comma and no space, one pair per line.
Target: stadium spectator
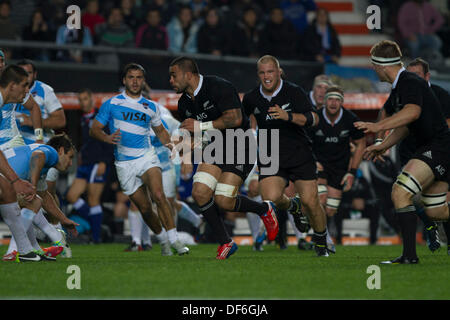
212,36
37,30
73,36
239,8
182,31
246,35
91,17
295,11
152,34
198,7
114,32
320,40
131,15
418,22
166,8
278,38
8,30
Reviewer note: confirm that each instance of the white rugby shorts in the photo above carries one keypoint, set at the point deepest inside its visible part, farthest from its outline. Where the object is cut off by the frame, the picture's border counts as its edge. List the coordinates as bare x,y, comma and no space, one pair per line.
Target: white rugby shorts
130,172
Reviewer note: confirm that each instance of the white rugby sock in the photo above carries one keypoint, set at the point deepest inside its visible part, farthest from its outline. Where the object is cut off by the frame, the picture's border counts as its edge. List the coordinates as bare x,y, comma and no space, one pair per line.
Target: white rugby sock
145,232
162,236
41,222
27,219
136,221
188,214
11,215
254,222
32,237
172,235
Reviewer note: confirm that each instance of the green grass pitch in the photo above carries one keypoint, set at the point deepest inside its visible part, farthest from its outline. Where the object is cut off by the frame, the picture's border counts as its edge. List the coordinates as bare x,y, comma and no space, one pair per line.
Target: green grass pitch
106,272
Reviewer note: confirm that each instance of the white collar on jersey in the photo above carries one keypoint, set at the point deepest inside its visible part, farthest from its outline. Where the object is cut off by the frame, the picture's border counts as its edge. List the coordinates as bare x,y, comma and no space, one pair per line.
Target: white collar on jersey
394,84
328,120
311,96
200,83
130,98
274,94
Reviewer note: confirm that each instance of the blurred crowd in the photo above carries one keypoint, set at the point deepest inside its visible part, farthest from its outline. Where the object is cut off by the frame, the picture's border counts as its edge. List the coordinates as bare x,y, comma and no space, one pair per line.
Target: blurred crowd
219,27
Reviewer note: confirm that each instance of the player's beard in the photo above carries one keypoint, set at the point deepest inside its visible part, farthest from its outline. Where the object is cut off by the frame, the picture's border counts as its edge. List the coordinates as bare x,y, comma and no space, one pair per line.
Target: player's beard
136,92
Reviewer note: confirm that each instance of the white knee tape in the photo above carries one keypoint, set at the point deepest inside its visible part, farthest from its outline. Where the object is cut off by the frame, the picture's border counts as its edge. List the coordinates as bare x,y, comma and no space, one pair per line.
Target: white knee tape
333,203
226,190
434,200
205,178
321,188
408,183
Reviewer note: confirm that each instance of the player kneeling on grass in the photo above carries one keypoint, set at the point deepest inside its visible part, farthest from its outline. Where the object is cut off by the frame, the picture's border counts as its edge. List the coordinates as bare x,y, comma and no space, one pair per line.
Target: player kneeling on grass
32,163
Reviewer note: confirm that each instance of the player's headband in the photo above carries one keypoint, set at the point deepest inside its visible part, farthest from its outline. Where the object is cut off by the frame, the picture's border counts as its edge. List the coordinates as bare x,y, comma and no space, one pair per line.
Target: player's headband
334,94
385,61
321,81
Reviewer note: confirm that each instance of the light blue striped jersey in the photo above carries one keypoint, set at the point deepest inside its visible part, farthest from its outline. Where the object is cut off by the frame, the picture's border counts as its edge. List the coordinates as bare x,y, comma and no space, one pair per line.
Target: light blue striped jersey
47,101
19,159
8,126
134,118
171,124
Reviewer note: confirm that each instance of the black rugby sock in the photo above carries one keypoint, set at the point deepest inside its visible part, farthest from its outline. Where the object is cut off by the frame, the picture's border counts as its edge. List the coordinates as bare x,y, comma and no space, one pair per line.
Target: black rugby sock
244,204
211,214
423,216
408,224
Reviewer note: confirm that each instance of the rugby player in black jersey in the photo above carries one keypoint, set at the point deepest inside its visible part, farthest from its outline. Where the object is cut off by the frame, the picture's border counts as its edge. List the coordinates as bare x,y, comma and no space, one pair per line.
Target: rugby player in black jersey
282,107
212,104
331,145
422,69
317,94
412,109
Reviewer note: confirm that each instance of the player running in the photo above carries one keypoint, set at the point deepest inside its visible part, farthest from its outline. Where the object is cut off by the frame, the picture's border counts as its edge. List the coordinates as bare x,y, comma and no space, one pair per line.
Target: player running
211,104
331,145
129,117
283,107
412,108
421,68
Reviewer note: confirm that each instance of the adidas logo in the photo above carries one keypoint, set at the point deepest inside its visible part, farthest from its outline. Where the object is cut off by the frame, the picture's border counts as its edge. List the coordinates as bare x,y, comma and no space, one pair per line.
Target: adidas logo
427,154
319,133
240,167
256,111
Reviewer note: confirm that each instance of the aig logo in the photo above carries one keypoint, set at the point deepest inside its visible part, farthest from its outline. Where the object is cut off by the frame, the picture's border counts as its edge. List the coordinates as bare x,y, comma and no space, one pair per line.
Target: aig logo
332,139
74,19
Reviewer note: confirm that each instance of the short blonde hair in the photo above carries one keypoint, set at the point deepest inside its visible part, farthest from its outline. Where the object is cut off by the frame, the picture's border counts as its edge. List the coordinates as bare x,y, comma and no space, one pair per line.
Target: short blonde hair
268,58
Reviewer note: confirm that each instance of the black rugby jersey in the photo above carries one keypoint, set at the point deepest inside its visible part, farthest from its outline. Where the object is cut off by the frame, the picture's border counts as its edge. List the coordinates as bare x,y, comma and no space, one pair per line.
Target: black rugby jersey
407,146
215,96
331,143
430,126
93,150
294,143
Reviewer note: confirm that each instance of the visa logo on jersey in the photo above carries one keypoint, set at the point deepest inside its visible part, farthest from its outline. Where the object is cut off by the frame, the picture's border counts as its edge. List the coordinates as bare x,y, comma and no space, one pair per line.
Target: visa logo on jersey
134,116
